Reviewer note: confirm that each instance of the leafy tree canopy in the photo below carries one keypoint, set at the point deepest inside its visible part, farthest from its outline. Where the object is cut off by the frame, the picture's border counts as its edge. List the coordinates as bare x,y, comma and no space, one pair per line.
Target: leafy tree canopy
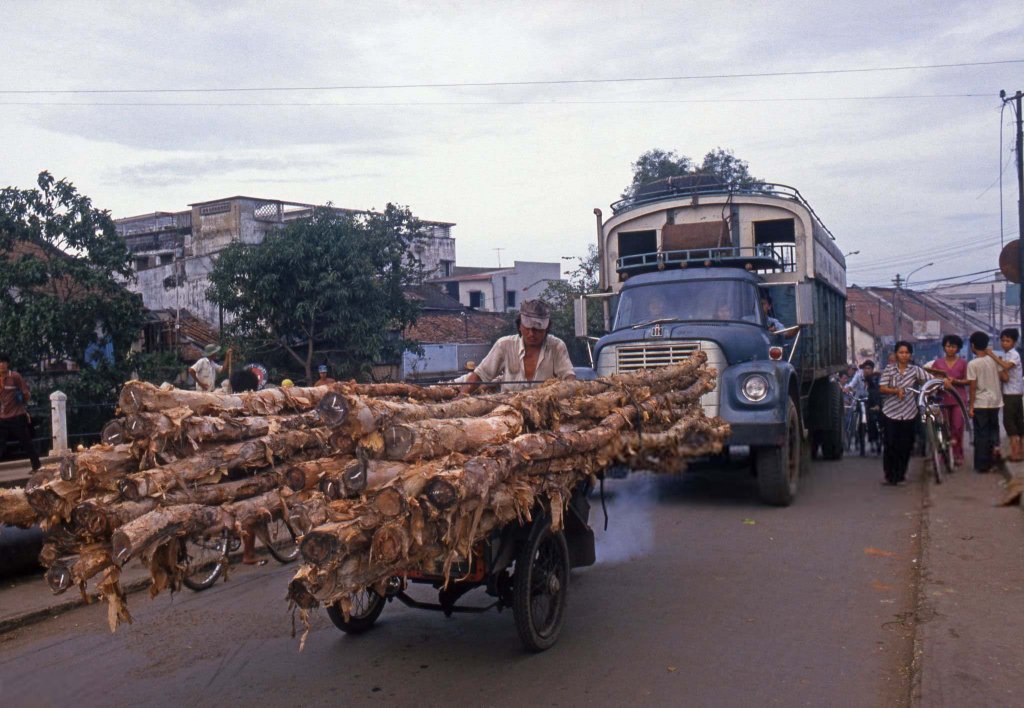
328,288
658,164
62,265
560,295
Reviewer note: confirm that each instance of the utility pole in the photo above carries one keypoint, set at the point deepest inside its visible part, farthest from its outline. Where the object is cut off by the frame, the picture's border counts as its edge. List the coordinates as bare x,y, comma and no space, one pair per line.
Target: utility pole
1015,102
897,281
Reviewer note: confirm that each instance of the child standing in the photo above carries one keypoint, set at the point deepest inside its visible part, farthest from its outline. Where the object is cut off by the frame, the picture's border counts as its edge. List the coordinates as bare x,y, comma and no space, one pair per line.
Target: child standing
986,399
1013,391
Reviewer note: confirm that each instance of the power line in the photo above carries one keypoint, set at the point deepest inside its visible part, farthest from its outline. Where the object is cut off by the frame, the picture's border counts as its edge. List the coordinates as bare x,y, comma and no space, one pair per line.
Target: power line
540,82
555,102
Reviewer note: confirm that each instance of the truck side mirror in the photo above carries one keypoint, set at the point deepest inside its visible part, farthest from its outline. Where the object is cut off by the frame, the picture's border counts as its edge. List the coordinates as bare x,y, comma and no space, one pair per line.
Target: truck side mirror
579,313
805,303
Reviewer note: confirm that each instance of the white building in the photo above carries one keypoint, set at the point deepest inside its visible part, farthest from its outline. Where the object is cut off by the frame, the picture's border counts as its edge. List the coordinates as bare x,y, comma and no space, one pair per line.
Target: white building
500,289
175,251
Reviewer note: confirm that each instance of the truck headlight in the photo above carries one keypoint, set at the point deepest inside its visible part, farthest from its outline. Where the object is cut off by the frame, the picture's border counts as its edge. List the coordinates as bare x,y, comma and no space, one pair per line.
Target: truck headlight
755,387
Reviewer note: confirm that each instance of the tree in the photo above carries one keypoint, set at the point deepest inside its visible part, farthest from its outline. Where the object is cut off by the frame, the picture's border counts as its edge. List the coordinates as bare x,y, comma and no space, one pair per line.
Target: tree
62,271
328,287
658,164
560,295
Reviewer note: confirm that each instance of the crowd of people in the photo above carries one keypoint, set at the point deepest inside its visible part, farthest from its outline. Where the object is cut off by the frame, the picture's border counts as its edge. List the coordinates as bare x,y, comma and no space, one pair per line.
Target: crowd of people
990,386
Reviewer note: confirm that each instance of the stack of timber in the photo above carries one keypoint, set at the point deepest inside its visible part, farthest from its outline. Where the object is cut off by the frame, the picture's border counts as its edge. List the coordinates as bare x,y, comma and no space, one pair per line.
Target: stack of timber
373,479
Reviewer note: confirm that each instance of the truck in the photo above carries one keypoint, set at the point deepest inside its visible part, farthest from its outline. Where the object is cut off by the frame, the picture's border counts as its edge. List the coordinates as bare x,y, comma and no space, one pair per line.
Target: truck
752,277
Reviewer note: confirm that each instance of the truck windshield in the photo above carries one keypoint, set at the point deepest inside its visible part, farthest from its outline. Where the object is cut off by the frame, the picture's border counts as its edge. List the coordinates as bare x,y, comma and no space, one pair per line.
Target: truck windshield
715,300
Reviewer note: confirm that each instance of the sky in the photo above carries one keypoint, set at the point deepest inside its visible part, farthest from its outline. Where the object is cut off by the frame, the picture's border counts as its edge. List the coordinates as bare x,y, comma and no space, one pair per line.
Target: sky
901,165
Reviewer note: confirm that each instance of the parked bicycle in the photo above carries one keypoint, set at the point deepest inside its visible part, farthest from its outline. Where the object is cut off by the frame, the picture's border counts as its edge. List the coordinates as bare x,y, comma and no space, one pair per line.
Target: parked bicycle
206,557
938,440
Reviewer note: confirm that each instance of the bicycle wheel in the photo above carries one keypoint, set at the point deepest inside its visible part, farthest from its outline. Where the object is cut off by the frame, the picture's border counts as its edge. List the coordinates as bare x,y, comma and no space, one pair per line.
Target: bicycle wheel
862,431
203,559
281,542
934,453
945,446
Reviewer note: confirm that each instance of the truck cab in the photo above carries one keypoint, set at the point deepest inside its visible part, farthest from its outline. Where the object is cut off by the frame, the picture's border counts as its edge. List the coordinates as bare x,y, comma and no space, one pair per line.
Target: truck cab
752,278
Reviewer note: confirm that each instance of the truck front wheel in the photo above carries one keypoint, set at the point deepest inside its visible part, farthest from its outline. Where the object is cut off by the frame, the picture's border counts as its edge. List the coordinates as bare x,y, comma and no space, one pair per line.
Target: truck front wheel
778,468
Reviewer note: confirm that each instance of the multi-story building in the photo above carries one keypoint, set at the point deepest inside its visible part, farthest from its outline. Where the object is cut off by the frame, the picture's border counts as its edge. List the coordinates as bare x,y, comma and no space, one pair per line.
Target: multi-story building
499,289
175,251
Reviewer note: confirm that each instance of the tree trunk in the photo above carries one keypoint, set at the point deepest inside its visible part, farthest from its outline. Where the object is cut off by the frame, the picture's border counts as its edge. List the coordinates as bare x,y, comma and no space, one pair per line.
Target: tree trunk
174,521
140,397
201,467
15,509
76,570
433,438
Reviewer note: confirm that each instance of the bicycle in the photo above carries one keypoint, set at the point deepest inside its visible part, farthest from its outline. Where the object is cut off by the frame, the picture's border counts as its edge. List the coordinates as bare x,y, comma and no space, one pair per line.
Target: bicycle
205,557
938,440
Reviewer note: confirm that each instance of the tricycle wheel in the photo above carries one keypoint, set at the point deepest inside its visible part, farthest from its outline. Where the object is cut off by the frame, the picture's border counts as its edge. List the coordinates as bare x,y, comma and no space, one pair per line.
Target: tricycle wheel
366,608
540,586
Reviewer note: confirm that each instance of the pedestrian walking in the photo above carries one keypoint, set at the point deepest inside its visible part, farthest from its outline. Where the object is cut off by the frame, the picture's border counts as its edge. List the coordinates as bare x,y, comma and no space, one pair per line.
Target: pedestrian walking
954,368
1013,391
899,412
14,417
986,398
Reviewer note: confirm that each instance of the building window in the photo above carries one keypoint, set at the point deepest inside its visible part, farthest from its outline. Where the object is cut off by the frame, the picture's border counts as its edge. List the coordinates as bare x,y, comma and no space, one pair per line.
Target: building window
142,263
166,258
510,299
446,268
476,299
971,305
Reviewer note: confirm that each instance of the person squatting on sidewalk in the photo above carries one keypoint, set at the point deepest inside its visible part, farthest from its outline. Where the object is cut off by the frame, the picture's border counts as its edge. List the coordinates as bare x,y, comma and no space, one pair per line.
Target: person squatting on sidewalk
14,418
1013,391
986,399
899,412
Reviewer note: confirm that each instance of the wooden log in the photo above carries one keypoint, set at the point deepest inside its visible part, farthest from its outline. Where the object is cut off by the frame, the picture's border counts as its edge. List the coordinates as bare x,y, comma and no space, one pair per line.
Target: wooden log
15,509
77,570
54,498
140,397
407,391
184,429
248,454
432,438
162,523
361,416
94,519
98,467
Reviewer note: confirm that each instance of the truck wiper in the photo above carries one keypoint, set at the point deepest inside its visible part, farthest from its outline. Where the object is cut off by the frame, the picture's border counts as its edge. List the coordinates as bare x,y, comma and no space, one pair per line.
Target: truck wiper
662,320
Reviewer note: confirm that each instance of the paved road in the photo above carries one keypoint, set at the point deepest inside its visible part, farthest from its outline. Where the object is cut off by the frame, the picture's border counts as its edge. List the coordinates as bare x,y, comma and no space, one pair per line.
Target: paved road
701,596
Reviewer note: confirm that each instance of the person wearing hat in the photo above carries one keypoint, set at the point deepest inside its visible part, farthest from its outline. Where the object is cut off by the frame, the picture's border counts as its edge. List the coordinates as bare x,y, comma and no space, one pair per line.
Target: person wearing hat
324,379
532,356
204,371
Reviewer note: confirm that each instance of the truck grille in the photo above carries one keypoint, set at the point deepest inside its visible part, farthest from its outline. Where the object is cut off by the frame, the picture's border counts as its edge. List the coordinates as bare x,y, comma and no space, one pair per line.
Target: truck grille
646,356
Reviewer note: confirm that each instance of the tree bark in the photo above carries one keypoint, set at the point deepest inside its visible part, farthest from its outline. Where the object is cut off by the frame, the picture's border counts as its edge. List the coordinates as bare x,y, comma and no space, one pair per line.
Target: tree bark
140,397
257,452
139,534
15,509
77,570
433,438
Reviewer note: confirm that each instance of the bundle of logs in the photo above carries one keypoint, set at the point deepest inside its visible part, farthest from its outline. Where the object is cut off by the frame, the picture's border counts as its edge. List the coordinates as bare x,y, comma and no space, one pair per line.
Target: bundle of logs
372,479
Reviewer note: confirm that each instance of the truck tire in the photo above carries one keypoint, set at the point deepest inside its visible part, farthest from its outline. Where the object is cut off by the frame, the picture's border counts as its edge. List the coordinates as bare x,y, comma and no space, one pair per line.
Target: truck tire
778,468
832,438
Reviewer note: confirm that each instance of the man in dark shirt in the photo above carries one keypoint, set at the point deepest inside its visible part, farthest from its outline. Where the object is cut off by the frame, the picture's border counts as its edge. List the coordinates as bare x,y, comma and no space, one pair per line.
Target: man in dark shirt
14,418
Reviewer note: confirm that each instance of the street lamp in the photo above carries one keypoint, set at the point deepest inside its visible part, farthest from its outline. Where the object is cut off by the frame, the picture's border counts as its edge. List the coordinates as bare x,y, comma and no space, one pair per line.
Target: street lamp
906,285
851,253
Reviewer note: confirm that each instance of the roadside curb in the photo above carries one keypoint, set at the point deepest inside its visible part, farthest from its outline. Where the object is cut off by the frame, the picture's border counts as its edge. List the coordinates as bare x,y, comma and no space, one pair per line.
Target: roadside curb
34,616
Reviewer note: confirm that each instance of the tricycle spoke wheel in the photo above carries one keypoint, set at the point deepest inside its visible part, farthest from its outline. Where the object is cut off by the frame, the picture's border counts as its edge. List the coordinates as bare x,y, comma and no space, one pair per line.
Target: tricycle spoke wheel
366,608
540,586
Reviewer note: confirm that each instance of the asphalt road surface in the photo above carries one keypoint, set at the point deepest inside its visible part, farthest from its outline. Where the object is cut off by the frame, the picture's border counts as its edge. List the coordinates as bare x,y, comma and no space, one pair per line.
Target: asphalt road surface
701,596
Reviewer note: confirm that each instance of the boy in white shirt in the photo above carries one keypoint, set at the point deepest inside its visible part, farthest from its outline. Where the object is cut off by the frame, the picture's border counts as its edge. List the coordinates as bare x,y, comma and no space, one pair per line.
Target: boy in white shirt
1013,390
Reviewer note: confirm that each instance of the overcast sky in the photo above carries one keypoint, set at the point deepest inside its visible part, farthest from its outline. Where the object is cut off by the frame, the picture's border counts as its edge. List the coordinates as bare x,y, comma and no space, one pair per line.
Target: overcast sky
905,181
